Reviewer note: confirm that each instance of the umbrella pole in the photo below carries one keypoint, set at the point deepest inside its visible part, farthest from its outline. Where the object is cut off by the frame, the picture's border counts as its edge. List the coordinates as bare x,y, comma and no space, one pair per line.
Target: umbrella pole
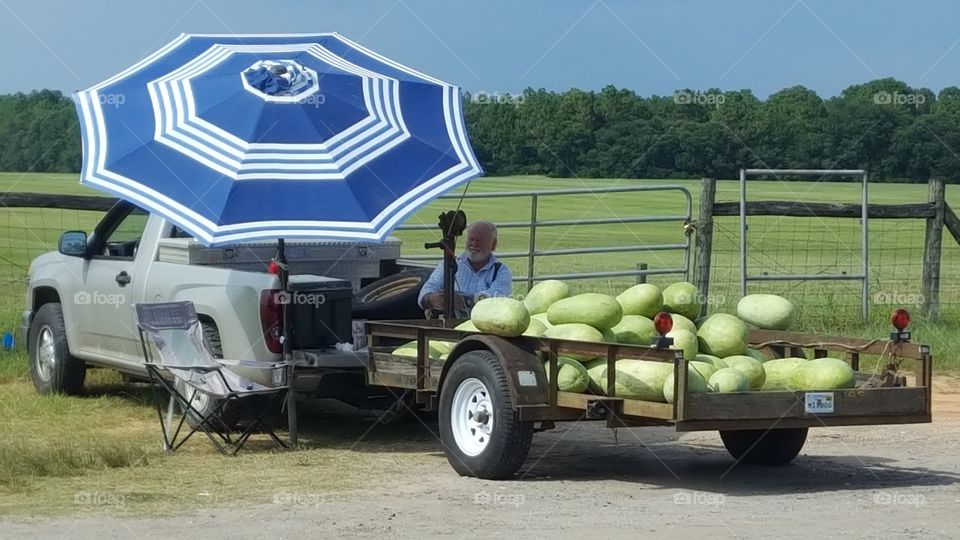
284,276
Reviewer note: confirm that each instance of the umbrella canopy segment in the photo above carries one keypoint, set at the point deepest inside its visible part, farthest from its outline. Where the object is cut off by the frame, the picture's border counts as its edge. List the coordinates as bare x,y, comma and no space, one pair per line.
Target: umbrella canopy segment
238,138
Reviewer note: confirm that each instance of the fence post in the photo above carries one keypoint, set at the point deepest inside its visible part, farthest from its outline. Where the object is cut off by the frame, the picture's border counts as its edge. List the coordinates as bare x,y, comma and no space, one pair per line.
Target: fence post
704,246
642,276
931,250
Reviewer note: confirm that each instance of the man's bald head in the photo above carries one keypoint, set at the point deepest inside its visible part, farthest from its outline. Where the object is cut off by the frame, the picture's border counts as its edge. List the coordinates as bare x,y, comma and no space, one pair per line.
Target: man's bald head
481,241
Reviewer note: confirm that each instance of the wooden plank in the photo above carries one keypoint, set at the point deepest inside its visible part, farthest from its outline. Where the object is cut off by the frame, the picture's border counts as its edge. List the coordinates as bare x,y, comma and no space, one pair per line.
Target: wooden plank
776,405
842,210
823,421
541,413
50,200
635,408
932,251
704,240
836,343
951,222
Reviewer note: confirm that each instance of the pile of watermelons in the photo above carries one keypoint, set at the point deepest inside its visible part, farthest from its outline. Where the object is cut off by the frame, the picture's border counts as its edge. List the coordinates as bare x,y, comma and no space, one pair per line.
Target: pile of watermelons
719,359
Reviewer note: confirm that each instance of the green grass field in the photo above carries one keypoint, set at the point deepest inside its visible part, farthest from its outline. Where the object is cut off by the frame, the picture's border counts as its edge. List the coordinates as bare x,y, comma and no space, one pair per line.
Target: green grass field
113,445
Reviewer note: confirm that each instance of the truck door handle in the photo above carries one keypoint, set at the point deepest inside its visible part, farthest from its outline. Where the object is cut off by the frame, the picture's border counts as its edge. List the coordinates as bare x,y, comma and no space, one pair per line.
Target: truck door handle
123,278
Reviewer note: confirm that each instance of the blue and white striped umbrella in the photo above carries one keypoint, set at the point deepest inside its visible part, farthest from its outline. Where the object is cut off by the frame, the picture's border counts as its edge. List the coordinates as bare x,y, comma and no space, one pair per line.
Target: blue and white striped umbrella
251,137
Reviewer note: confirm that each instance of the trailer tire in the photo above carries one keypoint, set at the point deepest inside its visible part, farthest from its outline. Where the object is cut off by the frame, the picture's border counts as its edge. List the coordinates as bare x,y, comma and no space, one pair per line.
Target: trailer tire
764,447
481,434
393,297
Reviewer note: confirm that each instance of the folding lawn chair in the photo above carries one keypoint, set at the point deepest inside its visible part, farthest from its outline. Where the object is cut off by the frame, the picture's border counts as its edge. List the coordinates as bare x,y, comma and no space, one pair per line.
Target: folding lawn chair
172,339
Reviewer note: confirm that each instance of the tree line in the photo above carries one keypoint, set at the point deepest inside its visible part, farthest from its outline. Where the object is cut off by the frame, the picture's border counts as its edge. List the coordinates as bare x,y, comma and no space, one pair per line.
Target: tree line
897,132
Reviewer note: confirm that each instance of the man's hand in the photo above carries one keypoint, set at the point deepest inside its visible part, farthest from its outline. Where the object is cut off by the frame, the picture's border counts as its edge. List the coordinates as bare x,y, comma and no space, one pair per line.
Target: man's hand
435,301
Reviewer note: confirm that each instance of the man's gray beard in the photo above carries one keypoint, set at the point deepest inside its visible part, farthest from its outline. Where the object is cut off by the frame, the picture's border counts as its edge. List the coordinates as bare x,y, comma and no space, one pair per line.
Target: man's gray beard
477,257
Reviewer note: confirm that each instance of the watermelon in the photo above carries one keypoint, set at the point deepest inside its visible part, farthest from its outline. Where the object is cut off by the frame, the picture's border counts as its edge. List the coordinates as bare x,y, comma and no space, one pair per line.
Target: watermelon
535,328
597,373
758,355
635,329
639,379
543,294
686,341
571,376
779,373
600,311
643,299
467,326
728,380
682,323
767,311
500,316
542,317
749,366
696,384
823,374
445,347
682,298
722,335
575,332
710,359
703,368
410,350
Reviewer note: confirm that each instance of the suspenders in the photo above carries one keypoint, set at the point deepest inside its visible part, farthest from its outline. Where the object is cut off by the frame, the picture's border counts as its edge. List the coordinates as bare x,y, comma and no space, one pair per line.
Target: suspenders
496,271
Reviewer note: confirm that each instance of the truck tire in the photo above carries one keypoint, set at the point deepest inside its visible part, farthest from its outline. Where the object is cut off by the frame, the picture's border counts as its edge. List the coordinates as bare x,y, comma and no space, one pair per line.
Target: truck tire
764,447
52,369
393,297
203,403
481,434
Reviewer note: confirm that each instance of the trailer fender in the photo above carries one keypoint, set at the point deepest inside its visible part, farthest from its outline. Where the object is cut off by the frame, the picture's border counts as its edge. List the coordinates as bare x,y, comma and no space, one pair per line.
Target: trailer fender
527,380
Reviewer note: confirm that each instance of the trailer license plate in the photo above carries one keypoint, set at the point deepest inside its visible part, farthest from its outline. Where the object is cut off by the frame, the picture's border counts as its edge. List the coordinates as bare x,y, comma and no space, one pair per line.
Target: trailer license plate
818,402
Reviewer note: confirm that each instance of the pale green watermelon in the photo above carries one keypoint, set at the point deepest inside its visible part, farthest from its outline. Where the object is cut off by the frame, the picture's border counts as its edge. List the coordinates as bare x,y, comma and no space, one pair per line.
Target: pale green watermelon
634,329
543,294
600,311
575,332
683,298
571,377
728,380
500,316
749,366
696,384
767,311
823,374
683,339
779,373
535,328
722,335
643,299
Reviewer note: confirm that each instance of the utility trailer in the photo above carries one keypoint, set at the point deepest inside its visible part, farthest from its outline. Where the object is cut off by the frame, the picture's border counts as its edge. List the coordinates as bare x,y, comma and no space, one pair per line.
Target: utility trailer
492,393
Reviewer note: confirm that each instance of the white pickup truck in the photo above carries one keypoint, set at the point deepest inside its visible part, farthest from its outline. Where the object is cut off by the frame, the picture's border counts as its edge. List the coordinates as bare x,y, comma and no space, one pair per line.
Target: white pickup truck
78,306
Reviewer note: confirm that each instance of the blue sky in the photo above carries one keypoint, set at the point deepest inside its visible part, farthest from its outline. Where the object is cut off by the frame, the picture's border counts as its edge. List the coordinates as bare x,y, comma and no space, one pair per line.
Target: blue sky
652,47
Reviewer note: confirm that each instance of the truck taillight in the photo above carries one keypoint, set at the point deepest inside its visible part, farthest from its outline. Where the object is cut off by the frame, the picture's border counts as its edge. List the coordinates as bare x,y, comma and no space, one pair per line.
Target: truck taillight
271,319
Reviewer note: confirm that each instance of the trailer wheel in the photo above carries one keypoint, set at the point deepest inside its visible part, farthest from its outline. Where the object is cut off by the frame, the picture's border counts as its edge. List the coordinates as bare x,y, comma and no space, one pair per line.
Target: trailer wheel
480,432
764,447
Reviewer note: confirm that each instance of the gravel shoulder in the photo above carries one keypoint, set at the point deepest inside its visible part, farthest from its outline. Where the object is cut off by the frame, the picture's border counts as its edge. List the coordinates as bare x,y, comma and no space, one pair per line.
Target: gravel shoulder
586,481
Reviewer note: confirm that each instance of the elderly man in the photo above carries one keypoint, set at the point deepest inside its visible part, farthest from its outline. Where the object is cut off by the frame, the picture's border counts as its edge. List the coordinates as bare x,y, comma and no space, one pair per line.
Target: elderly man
479,274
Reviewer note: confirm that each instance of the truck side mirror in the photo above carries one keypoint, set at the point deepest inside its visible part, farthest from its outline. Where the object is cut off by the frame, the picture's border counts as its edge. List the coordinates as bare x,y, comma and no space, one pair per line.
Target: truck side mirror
73,243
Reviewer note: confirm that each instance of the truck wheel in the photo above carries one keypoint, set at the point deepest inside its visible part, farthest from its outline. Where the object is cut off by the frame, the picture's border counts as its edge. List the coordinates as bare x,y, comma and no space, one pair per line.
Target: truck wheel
203,403
479,430
52,369
393,297
764,447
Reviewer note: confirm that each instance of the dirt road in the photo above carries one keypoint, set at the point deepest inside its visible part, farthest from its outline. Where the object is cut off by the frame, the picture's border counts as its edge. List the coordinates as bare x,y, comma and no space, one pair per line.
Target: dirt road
587,482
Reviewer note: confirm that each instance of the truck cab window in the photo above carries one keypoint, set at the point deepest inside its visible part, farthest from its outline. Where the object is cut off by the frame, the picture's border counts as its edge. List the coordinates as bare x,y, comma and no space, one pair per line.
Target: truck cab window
124,239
